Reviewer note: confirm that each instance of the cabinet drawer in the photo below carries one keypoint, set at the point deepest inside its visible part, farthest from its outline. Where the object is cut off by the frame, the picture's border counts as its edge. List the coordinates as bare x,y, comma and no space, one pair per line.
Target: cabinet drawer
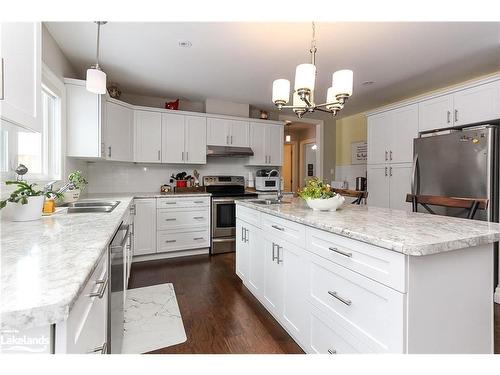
385,266
284,229
248,215
173,241
326,336
87,321
174,203
182,219
372,310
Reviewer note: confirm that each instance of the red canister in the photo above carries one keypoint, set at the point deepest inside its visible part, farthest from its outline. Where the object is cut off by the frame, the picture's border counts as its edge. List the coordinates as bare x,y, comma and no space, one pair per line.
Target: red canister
181,183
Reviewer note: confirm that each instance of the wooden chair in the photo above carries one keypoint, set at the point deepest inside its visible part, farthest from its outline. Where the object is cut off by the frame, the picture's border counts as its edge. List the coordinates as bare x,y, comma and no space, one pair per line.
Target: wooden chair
359,195
470,204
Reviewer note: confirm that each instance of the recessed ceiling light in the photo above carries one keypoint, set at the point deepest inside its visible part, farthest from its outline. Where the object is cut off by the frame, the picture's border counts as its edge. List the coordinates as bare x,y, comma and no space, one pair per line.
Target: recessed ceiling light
185,44
368,83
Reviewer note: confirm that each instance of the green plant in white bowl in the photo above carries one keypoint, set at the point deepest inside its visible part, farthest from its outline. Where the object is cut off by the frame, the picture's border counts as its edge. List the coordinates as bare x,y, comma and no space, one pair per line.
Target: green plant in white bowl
319,195
77,183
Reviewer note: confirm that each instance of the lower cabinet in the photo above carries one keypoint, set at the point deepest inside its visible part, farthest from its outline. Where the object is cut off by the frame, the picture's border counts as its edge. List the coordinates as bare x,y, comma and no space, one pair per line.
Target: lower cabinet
145,226
388,185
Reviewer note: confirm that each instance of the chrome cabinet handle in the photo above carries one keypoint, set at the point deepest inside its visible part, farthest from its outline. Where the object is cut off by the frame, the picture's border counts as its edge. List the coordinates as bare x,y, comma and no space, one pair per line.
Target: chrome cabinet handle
103,284
349,255
102,148
278,259
385,171
132,209
246,236
448,114
231,139
227,139
332,351
341,299
198,202
274,256
278,228
109,151
198,217
390,155
197,238
170,202
385,155
171,219
390,171
242,234
170,241
187,155
456,115
182,155
103,349
159,155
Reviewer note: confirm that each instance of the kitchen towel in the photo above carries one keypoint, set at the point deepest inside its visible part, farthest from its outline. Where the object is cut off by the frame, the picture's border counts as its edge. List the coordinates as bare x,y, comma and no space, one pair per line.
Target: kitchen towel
152,319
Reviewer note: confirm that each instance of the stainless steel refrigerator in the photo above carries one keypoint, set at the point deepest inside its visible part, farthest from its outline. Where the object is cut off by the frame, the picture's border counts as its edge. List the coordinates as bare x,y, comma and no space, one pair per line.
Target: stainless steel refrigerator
458,163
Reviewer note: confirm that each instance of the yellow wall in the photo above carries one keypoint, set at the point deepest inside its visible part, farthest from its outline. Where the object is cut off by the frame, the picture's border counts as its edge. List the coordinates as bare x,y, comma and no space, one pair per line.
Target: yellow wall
348,130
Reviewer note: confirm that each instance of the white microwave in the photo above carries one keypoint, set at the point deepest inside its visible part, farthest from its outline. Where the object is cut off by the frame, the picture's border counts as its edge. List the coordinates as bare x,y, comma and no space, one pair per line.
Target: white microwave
267,183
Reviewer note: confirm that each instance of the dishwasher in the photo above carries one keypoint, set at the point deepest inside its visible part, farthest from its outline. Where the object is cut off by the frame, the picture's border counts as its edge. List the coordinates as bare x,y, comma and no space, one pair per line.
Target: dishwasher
117,250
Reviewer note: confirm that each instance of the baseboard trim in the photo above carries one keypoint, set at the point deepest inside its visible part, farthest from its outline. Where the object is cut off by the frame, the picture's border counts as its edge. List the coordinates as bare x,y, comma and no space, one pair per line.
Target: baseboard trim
172,254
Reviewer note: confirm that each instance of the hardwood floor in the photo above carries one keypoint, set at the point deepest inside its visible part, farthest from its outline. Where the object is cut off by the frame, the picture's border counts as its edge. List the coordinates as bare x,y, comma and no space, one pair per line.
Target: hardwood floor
220,315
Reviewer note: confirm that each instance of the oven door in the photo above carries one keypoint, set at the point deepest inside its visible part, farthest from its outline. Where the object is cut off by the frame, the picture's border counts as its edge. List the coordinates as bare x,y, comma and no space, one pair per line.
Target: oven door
223,217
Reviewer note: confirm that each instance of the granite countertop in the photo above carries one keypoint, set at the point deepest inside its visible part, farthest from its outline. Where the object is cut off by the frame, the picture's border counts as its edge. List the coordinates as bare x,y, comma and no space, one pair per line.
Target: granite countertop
154,194
409,233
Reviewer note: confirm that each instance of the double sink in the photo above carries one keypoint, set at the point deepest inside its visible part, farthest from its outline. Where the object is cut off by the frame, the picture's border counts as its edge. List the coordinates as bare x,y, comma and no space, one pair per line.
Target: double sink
91,206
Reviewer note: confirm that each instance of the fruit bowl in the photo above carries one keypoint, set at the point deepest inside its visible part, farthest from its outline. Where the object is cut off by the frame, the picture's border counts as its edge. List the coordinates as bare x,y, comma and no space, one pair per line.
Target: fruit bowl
329,204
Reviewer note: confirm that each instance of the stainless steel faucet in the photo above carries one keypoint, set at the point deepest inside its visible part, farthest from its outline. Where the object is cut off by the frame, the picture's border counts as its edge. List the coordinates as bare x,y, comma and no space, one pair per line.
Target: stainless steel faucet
279,192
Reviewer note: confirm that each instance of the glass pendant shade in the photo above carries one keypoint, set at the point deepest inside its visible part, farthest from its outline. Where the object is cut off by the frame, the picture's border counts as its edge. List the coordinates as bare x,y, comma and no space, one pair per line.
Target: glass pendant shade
342,82
281,90
96,81
330,95
305,75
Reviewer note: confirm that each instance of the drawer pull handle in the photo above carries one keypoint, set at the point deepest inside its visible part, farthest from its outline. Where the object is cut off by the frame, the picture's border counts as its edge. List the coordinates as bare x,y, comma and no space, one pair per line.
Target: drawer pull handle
173,219
199,202
103,349
345,301
332,351
170,202
103,284
170,241
349,255
198,217
278,228
197,238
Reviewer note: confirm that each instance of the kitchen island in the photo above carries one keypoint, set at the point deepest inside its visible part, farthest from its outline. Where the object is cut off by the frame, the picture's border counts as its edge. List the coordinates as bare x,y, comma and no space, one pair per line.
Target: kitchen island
366,279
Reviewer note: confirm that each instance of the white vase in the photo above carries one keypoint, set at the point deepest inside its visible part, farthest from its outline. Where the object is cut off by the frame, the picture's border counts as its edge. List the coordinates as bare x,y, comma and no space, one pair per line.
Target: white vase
71,196
29,211
330,204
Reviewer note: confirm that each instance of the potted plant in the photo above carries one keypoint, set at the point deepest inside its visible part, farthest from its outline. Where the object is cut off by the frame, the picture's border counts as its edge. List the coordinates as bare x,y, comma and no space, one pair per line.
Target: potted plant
77,184
319,196
28,201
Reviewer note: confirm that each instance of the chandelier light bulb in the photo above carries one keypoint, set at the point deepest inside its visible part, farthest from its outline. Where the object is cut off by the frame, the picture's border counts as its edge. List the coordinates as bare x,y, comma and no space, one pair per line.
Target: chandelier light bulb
281,91
305,75
342,82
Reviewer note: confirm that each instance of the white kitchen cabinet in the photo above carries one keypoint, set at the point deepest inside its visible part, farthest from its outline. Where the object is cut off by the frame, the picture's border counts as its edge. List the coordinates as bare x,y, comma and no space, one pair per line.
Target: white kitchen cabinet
147,140
20,65
435,113
242,251
477,104
388,186
378,139
172,135
195,134
227,132
378,186
119,132
273,277
266,141
145,226
85,119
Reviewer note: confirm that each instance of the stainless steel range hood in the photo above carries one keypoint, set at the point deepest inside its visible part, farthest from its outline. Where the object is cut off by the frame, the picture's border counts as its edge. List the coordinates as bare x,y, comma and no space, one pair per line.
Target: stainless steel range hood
220,151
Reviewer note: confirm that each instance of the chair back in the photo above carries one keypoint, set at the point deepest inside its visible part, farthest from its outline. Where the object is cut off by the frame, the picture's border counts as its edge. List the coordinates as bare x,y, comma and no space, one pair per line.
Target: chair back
470,204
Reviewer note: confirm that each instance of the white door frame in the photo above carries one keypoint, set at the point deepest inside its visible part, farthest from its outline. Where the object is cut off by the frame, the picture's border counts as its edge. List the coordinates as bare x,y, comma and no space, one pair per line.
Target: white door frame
319,138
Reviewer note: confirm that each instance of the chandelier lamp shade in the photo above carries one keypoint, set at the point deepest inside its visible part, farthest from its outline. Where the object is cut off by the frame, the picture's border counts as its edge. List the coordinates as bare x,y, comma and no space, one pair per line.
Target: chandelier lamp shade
96,78
303,93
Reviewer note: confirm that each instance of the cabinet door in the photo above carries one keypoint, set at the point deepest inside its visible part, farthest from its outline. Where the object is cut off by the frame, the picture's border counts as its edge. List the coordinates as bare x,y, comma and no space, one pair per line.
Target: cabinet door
119,132
435,113
145,226
294,313
399,186
477,104
20,88
258,134
378,138
172,138
218,132
256,258
403,129
273,278
242,253
238,135
378,186
274,145
195,140
147,136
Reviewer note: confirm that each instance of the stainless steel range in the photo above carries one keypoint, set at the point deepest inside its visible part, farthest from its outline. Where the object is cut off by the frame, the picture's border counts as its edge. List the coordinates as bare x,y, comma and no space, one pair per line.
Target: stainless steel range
225,191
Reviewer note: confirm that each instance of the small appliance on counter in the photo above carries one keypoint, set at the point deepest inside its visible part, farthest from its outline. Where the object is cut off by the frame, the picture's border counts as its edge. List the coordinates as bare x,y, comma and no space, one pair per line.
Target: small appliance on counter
360,183
267,180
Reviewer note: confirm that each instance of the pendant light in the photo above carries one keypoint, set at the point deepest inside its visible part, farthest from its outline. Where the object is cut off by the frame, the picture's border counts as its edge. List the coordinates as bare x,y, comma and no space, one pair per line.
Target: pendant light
96,78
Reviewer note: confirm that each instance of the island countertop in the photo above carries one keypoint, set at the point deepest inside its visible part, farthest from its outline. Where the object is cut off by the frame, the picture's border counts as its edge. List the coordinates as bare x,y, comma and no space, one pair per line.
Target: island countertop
410,233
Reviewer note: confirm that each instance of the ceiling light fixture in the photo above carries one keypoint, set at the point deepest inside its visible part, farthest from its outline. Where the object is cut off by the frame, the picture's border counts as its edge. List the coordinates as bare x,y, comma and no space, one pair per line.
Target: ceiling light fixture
96,78
288,136
368,83
303,94
185,44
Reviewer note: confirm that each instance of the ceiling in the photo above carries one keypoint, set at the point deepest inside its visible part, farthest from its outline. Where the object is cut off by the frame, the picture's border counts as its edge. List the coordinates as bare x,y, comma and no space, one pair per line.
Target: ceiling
239,61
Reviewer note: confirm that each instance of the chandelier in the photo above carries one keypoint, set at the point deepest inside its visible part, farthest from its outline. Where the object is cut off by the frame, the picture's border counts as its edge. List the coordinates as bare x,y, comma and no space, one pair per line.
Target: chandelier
303,94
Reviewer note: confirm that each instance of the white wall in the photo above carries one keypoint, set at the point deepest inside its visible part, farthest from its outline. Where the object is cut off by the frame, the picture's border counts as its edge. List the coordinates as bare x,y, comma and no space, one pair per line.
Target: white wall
114,177
224,107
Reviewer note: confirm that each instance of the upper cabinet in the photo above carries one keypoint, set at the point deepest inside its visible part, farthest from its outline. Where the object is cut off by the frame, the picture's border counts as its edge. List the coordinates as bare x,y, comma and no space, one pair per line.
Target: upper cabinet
119,132
468,106
227,132
20,83
184,139
266,141
195,135
148,141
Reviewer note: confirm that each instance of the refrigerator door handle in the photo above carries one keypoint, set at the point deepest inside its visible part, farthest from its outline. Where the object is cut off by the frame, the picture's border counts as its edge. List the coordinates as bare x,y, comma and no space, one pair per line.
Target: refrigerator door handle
414,177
